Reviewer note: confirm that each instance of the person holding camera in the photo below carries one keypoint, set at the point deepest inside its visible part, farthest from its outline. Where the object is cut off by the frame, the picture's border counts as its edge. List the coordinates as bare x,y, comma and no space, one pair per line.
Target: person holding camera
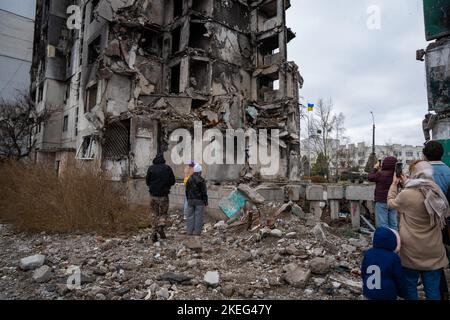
382,176
423,209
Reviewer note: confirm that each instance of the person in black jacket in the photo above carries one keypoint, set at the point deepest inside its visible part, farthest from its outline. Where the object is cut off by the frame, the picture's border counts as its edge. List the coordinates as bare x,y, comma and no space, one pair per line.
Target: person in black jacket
160,179
197,197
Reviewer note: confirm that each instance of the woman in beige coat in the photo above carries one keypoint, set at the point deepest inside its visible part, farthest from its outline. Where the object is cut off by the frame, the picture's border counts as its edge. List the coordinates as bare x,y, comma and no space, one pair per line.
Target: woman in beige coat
422,209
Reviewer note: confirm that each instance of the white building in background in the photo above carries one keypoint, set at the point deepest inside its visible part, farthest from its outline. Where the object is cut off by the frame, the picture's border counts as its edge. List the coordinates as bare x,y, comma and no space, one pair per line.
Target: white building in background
355,156
16,46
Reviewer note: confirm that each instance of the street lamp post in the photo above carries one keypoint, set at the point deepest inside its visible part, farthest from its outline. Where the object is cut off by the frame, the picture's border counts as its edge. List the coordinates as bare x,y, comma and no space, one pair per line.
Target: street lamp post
373,134
372,159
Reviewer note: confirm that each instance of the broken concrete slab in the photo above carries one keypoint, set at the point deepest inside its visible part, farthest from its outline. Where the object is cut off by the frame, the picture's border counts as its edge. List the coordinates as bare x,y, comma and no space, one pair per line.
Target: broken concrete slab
360,193
43,274
296,276
212,279
287,207
194,244
251,193
316,193
296,192
319,233
319,266
335,192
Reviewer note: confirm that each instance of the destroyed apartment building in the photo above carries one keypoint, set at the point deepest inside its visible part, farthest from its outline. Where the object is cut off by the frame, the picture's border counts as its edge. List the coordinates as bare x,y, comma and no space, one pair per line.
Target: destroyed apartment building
119,76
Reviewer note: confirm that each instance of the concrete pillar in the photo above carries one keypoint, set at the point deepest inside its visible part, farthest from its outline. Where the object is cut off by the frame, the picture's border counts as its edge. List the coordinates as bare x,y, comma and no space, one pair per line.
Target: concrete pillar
334,209
316,210
356,214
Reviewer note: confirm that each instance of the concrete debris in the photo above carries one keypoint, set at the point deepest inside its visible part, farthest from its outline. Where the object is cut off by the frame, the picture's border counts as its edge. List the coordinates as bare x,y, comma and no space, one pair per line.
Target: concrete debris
221,225
319,266
43,274
296,276
163,294
212,279
319,233
175,278
194,244
223,264
276,233
252,194
32,262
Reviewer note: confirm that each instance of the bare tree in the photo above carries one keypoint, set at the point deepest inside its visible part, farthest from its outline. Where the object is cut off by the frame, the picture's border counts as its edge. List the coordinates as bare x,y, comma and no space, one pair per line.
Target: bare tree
18,121
327,131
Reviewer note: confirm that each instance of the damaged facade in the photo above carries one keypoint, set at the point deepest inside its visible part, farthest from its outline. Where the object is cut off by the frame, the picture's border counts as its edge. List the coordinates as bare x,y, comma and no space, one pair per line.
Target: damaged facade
137,70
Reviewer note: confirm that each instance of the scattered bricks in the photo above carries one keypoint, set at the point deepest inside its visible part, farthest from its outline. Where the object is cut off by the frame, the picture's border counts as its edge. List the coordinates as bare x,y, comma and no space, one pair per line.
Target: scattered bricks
356,214
360,193
335,192
316,193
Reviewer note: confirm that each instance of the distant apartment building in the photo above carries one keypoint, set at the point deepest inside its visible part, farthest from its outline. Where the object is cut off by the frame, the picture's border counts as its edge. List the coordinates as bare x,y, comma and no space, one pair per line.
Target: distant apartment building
357,155
354,157
16,46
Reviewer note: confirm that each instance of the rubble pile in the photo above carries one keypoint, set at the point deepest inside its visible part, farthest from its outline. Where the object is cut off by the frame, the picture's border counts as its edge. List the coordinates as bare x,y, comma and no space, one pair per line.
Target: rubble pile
292,261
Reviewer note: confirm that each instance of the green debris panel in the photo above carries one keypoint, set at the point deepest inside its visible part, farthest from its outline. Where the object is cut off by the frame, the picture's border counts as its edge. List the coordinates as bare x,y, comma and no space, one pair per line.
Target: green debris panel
437,18
233,203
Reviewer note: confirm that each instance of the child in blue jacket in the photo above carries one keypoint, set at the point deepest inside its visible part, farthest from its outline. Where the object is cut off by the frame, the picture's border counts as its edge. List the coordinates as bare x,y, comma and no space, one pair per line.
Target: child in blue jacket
381,269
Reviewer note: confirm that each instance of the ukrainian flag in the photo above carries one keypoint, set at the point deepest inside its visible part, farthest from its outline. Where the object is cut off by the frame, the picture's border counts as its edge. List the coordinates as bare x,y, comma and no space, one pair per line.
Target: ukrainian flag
310,107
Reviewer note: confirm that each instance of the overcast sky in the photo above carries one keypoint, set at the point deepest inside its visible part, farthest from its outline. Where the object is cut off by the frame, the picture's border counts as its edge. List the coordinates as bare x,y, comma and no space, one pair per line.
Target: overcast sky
362,69
25,8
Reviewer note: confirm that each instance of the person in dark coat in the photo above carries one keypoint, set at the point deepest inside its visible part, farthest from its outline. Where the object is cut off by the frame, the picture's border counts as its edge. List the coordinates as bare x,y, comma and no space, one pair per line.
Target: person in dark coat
197,197
383,177
160,179
381,269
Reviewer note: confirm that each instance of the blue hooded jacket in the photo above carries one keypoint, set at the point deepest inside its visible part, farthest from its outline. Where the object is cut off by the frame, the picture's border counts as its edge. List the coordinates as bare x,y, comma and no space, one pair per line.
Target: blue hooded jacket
382,255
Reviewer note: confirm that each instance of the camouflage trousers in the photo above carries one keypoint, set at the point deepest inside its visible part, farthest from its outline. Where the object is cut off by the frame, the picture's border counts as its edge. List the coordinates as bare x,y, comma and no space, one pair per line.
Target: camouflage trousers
159,209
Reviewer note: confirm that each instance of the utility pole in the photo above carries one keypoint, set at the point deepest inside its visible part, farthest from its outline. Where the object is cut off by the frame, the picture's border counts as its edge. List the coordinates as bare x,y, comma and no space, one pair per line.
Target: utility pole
372,158
373,134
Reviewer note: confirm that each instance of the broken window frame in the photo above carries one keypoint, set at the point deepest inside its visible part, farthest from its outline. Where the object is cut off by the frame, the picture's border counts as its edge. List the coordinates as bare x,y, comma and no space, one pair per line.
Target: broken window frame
171,81
87,105
77,119
94,50
88,152
203,88
196,36
176,34
94,6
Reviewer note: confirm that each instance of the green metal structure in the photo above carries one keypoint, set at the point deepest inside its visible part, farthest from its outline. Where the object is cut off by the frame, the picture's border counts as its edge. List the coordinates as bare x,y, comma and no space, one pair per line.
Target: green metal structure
437,18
